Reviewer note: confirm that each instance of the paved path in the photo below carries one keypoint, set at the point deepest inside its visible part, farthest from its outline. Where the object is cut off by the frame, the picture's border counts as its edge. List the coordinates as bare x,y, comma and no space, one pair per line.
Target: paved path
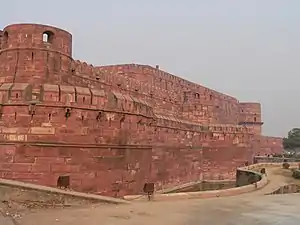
248,209
275,182
5,220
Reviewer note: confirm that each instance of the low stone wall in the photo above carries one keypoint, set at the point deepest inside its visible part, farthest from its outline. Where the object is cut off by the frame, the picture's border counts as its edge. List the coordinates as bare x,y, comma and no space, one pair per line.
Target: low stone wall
31,196
287,189
257,167
253,170
265,159
296,173
205,186
246,177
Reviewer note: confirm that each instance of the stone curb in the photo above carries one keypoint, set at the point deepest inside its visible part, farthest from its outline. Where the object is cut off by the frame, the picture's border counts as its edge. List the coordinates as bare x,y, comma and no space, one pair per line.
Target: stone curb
217,193
168,190
63,192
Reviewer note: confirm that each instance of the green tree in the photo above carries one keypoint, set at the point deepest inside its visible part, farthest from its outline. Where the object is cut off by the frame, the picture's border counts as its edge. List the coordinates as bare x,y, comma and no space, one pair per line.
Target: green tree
292,141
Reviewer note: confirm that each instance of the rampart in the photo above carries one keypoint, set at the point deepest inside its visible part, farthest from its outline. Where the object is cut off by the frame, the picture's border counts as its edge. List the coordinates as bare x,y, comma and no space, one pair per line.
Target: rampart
265,145
113,128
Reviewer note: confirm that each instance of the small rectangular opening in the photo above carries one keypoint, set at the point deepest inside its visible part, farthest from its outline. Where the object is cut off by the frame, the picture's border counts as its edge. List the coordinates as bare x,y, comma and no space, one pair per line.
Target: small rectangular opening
63,182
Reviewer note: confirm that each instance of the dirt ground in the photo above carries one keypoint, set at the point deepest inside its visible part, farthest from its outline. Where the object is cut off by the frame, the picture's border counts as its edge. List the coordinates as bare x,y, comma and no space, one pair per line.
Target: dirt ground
265,210
287,176
248,209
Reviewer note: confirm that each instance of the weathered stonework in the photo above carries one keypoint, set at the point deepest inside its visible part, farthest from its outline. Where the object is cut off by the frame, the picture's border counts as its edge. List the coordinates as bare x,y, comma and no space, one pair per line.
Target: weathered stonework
113,128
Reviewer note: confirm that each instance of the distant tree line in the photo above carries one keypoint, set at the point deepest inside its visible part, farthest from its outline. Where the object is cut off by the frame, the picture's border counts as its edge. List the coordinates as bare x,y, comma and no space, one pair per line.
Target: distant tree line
292,141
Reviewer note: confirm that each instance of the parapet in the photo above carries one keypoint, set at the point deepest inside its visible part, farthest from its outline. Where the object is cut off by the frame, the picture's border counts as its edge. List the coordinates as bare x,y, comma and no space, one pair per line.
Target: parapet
166,91
37,36
170,121
95,99
250,107
70,96
164,80
34,53
39,54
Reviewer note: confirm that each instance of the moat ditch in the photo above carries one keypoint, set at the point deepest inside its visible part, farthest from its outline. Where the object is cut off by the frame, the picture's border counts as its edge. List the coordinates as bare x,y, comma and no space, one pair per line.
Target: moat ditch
205,186
243,178
286,189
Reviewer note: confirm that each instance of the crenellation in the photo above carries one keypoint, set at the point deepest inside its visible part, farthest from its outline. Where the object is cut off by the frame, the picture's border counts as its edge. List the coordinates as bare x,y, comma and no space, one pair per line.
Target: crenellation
75,118
83,96
21,92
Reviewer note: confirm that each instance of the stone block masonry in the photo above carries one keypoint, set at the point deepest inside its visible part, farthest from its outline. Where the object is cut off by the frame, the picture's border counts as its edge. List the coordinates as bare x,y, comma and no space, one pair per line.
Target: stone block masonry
113,128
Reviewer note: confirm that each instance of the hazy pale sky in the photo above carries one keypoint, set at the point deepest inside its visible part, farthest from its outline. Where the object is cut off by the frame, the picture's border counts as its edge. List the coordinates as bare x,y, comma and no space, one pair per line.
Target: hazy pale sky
247,49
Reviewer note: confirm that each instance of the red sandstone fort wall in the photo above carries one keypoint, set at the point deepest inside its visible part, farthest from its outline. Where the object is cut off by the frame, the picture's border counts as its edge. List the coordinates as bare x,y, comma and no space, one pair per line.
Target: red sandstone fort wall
113,127
265,145
107,169
170,94
176,151
91,108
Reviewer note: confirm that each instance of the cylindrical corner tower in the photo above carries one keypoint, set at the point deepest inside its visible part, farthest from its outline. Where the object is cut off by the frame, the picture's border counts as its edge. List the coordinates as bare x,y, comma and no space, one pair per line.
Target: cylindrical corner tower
250,115
34,53
1,36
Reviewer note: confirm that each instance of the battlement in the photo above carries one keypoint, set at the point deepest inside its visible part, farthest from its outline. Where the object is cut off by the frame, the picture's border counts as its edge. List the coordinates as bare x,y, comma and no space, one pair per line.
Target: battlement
164,80
101,100
37,36
136,123
150,74
72,96
142,74
38,54
34,53
144,81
